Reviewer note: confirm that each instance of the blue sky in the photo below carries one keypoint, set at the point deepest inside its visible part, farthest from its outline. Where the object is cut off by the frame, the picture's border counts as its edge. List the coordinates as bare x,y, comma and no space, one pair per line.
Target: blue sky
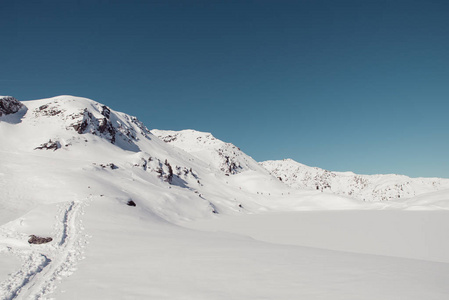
342,85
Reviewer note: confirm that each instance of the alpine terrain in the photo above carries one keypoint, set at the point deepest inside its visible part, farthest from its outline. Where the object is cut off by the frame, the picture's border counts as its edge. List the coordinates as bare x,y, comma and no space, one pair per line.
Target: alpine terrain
362,187
95,205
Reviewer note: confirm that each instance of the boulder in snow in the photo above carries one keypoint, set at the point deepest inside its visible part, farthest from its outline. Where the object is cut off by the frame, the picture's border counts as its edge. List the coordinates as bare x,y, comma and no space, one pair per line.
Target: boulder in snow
39,240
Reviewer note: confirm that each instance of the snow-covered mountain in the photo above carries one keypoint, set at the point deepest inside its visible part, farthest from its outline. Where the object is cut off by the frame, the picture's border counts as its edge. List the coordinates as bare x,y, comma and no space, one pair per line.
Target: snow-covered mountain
229,159
86,143
222,156
112,200
362,187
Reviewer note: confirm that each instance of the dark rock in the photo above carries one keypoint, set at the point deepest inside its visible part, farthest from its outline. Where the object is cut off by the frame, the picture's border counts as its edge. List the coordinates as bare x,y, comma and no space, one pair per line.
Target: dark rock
89,123
169,138
9,105
105,111
228,165
131,203
105,127
46,110
81,127
170,172
49,146
39,240
112,166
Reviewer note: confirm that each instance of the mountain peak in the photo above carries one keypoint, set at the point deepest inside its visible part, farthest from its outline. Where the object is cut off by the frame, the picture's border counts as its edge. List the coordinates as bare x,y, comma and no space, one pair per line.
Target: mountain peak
225,157
82,119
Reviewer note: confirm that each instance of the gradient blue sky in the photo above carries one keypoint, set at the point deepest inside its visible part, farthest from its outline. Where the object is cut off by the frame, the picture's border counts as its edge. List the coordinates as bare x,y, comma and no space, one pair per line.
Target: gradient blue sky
342,85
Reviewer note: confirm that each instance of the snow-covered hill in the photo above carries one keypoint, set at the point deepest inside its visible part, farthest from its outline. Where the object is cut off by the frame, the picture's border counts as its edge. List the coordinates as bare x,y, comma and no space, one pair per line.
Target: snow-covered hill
229,159
222,156
115,201
362,187
76,142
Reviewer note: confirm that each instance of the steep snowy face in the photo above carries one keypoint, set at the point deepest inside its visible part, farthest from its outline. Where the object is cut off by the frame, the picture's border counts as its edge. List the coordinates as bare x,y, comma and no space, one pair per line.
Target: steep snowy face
84,116
64,148
362,187
225,157
9,105
58,147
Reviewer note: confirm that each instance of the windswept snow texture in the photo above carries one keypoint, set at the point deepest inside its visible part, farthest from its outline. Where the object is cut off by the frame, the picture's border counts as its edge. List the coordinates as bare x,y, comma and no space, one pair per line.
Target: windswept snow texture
362,187
70,167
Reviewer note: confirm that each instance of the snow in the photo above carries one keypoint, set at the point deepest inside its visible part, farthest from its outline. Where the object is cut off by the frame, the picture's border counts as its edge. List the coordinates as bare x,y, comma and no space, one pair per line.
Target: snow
9,263
362,187
222,156
398,233
209,221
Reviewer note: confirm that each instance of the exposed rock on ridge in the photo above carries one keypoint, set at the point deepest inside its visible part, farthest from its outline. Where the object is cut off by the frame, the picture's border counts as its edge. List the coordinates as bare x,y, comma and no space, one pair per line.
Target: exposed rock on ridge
226,157
9,105
361,187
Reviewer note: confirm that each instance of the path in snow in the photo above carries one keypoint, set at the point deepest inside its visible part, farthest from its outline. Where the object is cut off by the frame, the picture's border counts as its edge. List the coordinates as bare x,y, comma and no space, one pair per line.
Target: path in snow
44,265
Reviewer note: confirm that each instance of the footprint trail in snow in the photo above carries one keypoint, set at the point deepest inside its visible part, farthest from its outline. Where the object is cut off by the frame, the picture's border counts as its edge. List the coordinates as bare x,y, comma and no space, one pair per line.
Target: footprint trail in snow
43,266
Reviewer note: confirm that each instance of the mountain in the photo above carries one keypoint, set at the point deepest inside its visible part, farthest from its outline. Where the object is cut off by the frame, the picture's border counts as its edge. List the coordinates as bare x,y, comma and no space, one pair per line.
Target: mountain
361,187
79,143
116,206
229,159
222,156
65,146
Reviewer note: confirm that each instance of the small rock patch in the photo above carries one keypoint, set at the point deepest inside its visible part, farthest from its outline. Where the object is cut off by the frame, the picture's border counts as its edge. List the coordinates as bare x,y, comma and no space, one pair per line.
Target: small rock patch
39,240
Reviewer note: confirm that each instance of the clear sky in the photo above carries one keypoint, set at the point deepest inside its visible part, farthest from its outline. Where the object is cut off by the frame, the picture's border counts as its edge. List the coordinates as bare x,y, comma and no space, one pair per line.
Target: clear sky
343,85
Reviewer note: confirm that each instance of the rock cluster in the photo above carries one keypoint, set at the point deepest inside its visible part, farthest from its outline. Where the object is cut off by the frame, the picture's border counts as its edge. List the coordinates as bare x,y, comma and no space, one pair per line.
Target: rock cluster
50,145
9,105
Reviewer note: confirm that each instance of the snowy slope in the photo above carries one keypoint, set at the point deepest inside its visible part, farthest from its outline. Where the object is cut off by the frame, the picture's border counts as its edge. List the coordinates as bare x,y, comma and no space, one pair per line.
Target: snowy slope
70,167
222,156
66,143
362,187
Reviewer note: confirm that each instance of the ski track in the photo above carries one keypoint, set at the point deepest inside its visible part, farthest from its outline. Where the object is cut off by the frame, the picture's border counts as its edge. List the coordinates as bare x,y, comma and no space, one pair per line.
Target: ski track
45,265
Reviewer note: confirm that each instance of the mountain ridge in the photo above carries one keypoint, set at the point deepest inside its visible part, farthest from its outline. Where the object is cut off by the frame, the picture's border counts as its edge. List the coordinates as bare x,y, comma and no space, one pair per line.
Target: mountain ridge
378,187
65,122
114,201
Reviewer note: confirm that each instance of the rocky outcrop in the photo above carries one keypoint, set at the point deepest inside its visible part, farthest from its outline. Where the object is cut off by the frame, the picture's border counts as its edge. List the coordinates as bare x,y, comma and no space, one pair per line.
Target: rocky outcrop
50,145
109,126
103,127
39,240
228,160
85,117
177,175
111,166
225,157
9,105
47,110
363,187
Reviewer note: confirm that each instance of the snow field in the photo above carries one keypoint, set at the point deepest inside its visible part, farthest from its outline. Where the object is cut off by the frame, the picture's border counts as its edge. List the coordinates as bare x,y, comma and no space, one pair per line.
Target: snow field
265,238
136,256
43,265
